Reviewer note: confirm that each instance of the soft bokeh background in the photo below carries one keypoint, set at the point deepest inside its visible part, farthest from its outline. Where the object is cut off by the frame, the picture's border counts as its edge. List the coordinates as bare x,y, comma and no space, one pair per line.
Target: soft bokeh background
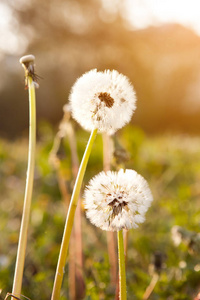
157,45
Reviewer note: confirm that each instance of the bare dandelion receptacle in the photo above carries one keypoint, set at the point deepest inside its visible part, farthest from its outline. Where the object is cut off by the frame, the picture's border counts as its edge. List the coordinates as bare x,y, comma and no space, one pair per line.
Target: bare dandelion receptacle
28,63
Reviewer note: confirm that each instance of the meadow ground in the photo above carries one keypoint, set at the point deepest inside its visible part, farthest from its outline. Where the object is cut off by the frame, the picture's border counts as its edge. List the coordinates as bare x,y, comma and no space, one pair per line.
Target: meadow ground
170,164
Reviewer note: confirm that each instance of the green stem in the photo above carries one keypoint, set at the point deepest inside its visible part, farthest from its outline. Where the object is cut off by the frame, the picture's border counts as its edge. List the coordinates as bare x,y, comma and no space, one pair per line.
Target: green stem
70,219
122,270
19,267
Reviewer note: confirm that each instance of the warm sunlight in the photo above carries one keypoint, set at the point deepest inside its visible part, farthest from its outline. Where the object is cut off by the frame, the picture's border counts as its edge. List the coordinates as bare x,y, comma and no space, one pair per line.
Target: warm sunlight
153,12
11,40
138,13
99,166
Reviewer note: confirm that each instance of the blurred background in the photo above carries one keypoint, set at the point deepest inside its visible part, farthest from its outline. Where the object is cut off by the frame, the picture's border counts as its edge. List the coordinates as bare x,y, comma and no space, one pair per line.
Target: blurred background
155,43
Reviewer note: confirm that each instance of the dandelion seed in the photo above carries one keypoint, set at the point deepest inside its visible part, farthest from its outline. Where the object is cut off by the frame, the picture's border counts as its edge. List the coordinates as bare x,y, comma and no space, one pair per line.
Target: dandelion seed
103,100
117,200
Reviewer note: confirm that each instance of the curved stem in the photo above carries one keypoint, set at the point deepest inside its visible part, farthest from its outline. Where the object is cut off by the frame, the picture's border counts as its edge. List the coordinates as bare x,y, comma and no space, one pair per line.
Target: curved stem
70,219
151,286
19,267
122,269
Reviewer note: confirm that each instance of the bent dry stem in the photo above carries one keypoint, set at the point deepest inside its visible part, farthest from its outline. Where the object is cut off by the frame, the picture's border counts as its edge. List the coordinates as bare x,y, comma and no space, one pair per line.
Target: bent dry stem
107,157
19,267
122,269
70,219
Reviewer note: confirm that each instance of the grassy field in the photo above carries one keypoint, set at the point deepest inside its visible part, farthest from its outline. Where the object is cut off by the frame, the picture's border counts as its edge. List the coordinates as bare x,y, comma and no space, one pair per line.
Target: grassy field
170,164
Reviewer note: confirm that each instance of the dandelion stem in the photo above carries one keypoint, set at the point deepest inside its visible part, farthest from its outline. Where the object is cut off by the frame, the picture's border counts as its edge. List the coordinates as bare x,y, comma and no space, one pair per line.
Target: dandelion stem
122,271
70,219
151,286
107,157
19,267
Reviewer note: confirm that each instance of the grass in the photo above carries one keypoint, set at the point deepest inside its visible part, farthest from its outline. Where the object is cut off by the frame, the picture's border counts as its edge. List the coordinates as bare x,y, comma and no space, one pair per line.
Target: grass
171,165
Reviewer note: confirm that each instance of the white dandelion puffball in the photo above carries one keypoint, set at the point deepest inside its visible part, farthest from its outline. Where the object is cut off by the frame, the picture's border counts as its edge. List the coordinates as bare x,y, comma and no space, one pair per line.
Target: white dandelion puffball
117,200
102,100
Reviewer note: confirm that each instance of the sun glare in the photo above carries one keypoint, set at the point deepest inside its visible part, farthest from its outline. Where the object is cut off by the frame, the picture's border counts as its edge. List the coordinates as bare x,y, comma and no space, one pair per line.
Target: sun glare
11,41
143,13
138,13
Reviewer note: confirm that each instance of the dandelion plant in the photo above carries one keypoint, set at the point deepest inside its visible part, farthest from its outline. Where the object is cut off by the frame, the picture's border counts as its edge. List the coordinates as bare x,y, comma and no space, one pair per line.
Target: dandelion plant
30,83
115,201
100,102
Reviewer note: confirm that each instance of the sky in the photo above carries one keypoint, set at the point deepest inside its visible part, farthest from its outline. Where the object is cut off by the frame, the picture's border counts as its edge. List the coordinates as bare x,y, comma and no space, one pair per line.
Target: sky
139,14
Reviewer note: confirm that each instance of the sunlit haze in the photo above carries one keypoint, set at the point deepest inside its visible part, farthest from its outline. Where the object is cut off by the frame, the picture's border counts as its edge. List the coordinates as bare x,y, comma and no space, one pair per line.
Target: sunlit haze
143,13
11,40
139,14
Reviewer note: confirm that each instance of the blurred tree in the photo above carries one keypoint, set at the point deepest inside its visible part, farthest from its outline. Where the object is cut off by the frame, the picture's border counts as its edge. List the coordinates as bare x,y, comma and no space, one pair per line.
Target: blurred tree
70,37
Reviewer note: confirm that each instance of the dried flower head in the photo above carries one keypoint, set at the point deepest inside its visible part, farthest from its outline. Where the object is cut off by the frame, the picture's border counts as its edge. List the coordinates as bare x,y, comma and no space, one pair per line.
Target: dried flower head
102,100
117,200
28,63
176,232
27,59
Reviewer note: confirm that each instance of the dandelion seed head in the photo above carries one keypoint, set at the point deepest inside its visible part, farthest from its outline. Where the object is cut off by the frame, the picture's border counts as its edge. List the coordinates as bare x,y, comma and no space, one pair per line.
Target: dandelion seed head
117,200
103,100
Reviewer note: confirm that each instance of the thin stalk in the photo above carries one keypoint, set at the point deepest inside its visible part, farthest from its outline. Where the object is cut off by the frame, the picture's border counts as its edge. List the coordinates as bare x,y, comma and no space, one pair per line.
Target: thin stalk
122,269
70,219
125,234
72,268
107,156
111,240
107,152
151,286
80,283
76,281
54,160
19,267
